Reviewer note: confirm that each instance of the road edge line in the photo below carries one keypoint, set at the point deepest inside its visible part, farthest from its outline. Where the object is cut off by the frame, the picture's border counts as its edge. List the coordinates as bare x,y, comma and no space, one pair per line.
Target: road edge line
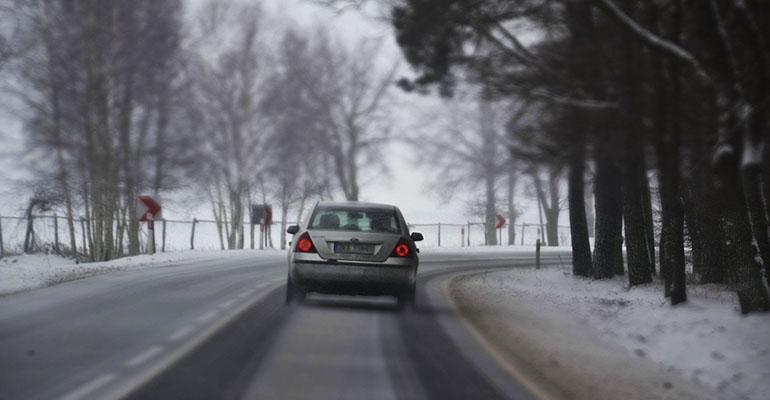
125,388
512,370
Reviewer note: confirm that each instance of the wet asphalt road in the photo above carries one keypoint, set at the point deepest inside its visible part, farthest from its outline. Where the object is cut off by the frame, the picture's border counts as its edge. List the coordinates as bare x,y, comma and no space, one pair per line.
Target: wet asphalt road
219,328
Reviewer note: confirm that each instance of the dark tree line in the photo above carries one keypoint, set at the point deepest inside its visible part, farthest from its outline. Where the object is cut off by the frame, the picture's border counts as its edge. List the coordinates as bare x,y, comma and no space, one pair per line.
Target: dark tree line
678,88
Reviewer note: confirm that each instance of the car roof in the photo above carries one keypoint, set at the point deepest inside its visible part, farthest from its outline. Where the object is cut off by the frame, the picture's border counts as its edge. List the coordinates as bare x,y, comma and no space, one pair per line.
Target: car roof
354,204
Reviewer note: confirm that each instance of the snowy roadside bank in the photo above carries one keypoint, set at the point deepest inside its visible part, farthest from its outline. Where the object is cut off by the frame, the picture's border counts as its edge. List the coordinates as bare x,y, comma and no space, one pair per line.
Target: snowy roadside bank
31,271
598,340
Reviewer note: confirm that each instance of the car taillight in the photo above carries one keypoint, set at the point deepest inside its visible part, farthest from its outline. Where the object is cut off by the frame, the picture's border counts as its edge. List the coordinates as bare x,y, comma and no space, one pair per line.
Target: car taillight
304,244
402,249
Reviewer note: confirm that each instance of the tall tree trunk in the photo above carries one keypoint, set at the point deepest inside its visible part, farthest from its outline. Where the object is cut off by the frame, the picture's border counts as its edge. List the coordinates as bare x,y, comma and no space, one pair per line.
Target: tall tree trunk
512,213
490,234
608,241
742,250
672,230
742,257
665,116
554,209
633,172
649,225
590,207
581,247
751,172
284,214
703,213
636,240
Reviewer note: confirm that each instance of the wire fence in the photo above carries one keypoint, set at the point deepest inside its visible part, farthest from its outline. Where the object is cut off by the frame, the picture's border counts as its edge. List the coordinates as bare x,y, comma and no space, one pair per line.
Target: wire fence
50,233
471,234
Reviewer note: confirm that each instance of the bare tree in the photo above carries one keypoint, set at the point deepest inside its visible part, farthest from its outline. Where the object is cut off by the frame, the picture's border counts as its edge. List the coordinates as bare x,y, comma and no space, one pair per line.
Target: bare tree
82,94
352,92
468,150
227,80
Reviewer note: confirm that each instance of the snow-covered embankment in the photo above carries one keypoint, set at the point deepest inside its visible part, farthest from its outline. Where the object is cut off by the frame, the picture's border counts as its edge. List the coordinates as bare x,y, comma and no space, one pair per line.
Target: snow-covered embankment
30,271
589,339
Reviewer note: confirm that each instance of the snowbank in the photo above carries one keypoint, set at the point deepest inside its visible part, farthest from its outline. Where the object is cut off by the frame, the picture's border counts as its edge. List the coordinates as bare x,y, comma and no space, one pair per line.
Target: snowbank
30,271
706,341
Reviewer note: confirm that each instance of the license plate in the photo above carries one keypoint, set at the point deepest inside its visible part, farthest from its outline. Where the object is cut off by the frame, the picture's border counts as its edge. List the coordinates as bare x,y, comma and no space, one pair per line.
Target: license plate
353,248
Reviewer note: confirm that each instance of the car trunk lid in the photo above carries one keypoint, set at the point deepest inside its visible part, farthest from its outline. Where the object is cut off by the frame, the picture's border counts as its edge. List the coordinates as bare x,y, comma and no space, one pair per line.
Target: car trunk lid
354,246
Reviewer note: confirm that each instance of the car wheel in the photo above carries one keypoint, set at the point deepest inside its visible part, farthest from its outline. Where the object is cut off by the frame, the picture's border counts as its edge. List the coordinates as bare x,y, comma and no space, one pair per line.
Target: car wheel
294,293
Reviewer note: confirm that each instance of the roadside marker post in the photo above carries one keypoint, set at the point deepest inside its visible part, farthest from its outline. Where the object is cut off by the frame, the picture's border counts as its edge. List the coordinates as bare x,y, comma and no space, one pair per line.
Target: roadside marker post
151,212
150,233
469,233
537,254
499,224
262,214
163,243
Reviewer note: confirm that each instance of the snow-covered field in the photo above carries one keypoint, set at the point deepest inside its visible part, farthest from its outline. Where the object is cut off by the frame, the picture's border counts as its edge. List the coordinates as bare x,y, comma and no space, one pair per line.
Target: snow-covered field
705,341
30,271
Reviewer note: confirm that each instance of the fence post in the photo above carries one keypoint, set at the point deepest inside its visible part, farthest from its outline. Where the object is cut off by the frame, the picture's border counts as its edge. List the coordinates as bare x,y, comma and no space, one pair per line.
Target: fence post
150,234
261,236
537,254
462,236
2,247
439,234
522,232
163,244
469,233
56,233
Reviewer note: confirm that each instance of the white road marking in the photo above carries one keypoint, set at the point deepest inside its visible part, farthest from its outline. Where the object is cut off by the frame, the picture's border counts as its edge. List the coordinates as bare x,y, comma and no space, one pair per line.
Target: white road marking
246,293
207,316
89,387
227,303
123,387
144,356
181,332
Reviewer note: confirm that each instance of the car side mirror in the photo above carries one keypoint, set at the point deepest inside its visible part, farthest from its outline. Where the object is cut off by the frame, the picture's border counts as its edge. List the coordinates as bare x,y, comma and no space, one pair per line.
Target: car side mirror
416,236
292,229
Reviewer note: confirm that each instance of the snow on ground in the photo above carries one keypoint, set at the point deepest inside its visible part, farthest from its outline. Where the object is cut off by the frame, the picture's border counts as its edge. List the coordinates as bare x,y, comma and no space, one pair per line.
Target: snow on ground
705,341
30,271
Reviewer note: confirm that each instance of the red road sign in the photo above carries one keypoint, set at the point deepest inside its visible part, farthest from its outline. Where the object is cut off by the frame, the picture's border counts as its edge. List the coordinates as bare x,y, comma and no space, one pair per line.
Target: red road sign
500,221
152,207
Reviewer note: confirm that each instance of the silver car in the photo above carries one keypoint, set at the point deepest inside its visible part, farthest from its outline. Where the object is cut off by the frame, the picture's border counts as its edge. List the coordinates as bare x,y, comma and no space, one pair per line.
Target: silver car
353,248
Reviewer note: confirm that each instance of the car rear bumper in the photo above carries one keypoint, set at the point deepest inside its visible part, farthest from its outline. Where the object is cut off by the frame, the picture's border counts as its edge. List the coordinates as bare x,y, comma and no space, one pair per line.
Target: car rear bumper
354,277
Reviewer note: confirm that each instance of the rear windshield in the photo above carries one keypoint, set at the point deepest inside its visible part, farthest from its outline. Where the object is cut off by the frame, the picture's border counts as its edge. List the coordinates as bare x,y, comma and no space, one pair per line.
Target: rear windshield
355,219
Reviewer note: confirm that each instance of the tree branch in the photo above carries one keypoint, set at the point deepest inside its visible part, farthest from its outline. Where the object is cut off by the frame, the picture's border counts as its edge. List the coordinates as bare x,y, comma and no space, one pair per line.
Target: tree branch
654,41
